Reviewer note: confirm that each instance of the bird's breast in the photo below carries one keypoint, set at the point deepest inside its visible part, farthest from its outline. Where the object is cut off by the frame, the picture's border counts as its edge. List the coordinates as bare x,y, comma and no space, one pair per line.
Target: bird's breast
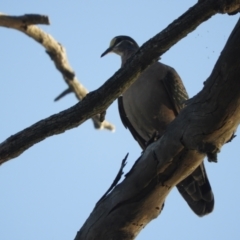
148,106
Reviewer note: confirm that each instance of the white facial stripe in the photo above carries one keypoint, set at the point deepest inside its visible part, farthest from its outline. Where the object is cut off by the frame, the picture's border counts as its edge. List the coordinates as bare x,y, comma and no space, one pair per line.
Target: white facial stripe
118,44
121,42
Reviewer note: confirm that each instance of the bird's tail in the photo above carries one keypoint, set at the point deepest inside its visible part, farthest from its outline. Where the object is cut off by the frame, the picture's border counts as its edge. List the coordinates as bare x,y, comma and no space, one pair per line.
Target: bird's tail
197,191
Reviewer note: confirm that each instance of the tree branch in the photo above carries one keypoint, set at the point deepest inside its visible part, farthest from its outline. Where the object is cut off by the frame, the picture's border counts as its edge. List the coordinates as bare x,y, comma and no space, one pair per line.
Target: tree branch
19,22
55,51
209,121
97,101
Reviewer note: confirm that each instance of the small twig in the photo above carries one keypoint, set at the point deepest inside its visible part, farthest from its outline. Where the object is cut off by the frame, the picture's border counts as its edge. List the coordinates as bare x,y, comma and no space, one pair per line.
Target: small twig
102,116
64,93
232,137
116,180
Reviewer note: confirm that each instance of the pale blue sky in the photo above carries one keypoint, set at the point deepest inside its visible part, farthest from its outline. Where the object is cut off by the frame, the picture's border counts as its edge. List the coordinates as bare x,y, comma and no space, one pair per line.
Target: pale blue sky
49,191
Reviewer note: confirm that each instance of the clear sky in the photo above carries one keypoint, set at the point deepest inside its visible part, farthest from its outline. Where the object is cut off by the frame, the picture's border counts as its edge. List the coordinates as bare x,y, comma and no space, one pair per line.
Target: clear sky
49,191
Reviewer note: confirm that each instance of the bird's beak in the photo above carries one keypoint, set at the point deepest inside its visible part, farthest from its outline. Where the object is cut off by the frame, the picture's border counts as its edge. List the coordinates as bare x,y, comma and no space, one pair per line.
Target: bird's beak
107,51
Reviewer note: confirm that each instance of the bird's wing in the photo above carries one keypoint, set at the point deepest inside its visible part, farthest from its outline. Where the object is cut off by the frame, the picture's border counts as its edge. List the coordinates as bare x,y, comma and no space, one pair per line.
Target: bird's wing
175,89
128,124
195,189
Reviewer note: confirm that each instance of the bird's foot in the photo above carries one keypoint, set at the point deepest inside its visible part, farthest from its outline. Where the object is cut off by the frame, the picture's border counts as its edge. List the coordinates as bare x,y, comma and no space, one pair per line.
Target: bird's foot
153,139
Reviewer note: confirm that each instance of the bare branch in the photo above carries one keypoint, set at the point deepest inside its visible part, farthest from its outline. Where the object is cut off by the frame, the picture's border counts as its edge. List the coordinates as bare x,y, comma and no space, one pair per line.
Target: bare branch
208,122
97,101
63,94
22,21
116,180
56,52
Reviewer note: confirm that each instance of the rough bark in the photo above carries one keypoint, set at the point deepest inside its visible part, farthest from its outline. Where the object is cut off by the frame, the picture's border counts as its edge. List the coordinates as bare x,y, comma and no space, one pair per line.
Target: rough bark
56,52
209,121
98,101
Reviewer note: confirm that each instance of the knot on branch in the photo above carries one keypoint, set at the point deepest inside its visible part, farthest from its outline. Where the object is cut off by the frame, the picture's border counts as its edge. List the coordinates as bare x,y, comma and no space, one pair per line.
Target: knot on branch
58,57
32,19
228,6
210,150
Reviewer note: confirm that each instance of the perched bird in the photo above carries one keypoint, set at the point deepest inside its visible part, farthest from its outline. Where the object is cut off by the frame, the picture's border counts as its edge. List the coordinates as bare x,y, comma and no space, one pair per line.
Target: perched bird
148,106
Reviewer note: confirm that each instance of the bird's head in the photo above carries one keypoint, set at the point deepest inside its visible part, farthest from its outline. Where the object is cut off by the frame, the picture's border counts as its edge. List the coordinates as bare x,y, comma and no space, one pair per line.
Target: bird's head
121,45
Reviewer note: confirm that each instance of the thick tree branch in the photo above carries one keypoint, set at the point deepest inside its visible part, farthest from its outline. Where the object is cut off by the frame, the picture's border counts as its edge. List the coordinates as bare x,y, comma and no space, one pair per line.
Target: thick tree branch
97,101
208,121
56,52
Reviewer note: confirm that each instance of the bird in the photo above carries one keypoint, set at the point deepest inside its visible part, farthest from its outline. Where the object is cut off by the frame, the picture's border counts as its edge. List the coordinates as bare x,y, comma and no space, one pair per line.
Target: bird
148,106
